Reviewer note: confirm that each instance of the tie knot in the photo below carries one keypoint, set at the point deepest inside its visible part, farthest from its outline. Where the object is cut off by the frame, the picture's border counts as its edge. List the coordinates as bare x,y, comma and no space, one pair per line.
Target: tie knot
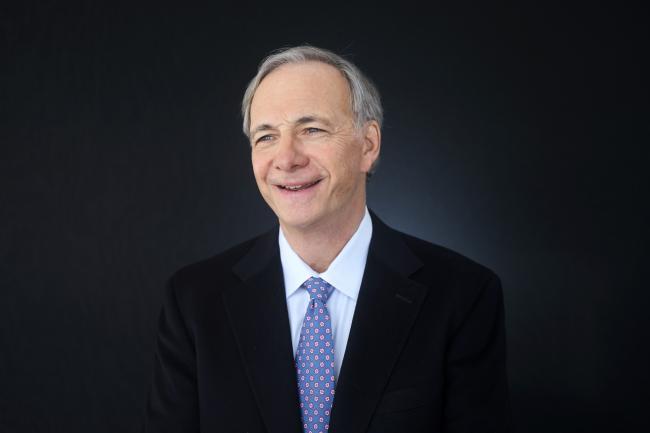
318,289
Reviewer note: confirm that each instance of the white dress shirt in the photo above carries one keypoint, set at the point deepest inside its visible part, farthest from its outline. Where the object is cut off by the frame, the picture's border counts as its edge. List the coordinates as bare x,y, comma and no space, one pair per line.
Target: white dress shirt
344,274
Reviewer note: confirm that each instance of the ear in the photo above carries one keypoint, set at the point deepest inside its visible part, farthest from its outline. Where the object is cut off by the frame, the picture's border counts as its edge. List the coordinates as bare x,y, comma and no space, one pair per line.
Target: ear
371,144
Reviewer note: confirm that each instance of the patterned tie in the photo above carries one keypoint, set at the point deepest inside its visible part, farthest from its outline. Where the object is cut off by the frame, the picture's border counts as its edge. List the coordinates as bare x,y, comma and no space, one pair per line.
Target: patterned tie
315,359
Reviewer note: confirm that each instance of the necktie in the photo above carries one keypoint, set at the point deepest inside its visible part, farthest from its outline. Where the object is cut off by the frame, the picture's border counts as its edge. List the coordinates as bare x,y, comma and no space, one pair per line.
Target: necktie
315,359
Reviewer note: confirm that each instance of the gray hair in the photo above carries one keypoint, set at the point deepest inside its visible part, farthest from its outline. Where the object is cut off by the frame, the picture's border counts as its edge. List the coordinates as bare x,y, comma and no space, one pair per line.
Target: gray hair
364,97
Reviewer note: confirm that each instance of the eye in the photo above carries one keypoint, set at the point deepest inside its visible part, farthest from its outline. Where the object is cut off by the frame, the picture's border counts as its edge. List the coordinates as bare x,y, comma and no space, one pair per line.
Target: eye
264,138
312,130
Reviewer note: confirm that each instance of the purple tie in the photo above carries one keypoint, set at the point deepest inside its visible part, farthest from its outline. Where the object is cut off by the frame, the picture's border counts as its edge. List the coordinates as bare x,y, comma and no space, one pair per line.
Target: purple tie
315,359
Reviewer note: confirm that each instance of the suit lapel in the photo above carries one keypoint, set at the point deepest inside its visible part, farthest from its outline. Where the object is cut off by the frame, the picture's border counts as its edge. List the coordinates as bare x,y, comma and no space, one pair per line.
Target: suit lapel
386,309
258,313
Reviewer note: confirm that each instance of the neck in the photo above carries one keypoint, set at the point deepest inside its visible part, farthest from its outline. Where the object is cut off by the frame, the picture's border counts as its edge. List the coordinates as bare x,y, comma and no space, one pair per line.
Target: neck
319,246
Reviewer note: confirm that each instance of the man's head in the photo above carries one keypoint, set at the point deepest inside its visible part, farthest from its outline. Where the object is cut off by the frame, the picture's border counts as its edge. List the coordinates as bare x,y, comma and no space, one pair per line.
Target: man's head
311,116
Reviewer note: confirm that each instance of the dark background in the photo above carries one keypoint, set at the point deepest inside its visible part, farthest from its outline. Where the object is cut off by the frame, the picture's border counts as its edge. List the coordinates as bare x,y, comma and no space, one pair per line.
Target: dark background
515,135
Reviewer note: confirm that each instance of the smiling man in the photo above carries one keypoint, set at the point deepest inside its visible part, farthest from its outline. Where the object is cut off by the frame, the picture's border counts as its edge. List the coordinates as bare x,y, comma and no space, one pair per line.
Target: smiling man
310,157
331,321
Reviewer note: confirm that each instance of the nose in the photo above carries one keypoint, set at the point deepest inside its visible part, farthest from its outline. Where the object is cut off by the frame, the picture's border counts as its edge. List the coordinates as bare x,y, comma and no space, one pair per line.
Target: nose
289,154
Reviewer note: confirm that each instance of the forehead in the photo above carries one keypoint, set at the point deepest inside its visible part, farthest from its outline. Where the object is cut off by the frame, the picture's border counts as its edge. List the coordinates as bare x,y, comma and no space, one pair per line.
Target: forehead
294,90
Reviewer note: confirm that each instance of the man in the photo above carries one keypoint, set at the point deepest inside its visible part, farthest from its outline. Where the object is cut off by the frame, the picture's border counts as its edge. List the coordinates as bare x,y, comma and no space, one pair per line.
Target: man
331,321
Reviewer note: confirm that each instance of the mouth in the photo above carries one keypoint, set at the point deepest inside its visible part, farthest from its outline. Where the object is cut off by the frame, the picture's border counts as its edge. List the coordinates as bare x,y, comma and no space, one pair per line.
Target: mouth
298,188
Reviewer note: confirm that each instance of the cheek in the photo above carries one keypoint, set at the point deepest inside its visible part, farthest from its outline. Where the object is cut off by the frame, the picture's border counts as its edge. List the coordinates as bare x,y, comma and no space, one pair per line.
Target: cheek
346,160
344,173
259,168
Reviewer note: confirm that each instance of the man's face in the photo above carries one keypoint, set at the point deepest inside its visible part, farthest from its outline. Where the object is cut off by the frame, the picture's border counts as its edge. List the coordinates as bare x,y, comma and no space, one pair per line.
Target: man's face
303,137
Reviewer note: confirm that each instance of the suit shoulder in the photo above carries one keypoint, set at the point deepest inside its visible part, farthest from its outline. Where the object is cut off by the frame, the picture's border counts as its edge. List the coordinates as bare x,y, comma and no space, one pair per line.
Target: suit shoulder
456,277
214,268
445,259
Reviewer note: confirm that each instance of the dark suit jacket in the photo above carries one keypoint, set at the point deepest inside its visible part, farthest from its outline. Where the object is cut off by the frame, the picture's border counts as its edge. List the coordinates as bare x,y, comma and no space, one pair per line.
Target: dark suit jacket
426,351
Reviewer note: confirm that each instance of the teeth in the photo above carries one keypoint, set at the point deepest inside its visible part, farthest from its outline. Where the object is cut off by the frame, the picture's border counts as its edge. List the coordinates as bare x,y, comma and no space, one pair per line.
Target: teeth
297,187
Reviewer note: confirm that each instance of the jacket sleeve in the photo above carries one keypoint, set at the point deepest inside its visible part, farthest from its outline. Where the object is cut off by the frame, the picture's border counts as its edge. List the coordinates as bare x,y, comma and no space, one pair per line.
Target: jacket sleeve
476,388
172,404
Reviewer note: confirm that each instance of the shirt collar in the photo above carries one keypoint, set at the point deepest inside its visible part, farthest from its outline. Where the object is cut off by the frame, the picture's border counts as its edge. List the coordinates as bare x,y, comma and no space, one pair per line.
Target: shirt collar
344,273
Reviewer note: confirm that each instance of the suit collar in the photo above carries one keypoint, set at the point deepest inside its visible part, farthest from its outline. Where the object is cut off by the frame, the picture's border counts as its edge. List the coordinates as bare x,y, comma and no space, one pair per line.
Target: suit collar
385,245
258,313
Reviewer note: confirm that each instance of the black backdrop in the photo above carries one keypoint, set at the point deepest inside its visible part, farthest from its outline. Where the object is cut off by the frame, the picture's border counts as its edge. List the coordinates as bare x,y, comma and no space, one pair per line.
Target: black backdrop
517,136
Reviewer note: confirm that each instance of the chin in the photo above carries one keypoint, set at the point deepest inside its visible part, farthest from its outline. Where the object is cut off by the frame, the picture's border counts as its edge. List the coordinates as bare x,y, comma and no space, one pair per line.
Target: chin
297,219
297,222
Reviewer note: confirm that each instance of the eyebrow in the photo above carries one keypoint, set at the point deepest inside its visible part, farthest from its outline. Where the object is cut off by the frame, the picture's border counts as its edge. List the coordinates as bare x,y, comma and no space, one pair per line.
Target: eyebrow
300,121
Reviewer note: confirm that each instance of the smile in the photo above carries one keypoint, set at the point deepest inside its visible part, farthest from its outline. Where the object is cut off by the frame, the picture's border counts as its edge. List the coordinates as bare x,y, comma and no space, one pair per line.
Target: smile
298,187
